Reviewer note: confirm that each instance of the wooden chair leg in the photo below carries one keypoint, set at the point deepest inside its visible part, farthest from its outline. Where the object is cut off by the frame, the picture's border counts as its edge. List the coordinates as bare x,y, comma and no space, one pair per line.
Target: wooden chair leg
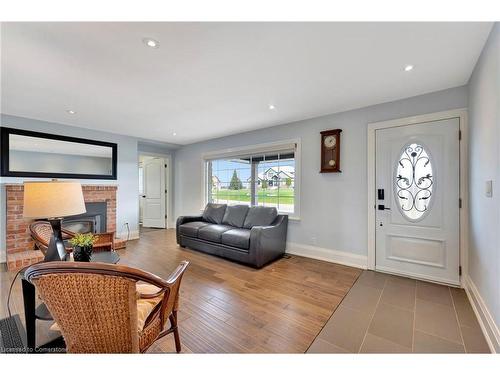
173,322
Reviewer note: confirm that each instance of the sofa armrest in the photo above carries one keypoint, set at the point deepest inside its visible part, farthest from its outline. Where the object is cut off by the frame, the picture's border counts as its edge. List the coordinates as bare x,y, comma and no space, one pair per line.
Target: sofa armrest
269,242
183,220
188,219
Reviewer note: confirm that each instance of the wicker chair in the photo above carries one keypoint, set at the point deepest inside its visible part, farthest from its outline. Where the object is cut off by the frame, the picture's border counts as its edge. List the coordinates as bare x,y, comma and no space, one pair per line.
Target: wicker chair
41,231
96,305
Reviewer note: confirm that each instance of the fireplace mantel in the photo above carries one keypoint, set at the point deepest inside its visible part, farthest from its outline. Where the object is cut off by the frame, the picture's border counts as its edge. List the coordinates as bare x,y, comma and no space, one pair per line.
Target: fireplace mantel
18,237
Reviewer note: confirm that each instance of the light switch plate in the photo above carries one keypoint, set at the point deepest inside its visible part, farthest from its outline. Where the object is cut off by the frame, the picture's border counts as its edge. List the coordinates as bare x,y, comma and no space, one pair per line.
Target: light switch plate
489,188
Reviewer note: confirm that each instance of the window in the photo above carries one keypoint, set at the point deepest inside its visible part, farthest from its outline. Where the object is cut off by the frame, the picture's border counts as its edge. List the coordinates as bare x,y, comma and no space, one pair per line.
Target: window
257,177
414,181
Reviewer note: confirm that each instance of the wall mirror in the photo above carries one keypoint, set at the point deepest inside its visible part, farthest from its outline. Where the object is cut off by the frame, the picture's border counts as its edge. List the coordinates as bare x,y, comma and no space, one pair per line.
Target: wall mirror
32,154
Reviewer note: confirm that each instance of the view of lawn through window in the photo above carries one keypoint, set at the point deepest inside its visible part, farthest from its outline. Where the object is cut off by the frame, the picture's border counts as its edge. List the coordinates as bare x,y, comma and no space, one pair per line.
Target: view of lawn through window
258,180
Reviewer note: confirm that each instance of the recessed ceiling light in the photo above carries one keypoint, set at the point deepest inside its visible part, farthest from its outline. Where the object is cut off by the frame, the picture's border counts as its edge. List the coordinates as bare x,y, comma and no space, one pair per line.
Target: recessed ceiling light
174,134
271,107
408,68
71,112
150,42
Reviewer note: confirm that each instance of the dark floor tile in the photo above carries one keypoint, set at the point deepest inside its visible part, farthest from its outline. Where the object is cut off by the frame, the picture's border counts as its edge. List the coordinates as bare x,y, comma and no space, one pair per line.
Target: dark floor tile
322,346
466,316
394,324
425,343
362,298
346,328
399,280
474,340
399,295
373,279
376,344
434,293
437,319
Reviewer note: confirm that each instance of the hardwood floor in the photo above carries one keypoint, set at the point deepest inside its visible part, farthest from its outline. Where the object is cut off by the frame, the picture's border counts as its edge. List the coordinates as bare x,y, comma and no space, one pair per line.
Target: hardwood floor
230,308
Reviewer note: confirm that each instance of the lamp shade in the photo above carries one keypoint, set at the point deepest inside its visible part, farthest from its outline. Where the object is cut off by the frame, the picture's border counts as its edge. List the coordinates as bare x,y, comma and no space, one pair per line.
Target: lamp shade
53,199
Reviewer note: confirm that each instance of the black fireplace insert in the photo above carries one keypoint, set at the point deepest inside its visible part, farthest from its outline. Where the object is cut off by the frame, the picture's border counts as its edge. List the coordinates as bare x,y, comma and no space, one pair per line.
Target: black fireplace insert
93,221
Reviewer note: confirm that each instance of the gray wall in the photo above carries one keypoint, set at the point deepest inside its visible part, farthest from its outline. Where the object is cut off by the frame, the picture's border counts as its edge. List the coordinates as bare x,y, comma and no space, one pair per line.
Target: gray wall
484,164
156,147
127,210
333,206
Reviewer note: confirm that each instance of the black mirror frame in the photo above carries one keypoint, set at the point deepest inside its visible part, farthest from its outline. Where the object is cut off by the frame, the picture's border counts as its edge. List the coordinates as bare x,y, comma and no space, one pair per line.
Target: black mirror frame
4,157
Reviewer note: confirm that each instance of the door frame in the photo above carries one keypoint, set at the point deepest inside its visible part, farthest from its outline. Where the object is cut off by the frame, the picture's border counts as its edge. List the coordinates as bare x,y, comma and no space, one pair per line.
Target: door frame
168,184
461,114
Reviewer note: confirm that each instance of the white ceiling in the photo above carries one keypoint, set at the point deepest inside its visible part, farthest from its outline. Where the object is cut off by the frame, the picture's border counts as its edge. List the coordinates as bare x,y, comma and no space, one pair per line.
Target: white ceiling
212,79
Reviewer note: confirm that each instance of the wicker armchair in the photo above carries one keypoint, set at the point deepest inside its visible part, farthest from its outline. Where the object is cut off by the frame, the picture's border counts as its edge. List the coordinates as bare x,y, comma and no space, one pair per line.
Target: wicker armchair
97,305
42,230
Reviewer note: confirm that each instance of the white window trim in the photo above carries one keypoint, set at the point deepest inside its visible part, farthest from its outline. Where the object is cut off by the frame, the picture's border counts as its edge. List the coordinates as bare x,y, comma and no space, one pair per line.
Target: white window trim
254,149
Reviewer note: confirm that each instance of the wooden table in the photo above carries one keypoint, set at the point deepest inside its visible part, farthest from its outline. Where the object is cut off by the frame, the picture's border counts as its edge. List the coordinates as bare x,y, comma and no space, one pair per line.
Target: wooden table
32,313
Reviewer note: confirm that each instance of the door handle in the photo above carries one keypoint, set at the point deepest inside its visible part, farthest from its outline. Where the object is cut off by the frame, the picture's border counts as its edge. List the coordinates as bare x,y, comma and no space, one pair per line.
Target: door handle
381,207
144,196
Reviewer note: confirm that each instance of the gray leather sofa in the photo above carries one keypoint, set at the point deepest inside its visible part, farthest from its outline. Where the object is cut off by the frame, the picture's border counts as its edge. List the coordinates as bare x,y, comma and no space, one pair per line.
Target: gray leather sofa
249,235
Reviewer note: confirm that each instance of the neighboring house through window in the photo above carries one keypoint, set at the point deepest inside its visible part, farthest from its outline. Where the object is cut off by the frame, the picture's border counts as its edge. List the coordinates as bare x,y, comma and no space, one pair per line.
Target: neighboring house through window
265,175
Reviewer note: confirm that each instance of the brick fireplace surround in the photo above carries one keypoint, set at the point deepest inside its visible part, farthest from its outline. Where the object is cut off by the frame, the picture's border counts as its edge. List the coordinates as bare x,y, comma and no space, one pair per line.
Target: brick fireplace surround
20,247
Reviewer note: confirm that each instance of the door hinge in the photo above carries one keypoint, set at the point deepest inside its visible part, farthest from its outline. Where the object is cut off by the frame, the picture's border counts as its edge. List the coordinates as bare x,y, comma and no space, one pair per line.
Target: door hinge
459,135
459,202
459,270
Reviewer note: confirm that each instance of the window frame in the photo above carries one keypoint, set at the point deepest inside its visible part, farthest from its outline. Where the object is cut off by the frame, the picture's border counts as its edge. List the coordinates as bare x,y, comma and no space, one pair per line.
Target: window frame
256,149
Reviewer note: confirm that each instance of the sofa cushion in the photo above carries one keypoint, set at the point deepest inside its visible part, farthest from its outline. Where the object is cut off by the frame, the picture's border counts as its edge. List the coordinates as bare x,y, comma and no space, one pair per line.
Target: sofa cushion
213,232
235,215
214,213
191,229
238,237
261,216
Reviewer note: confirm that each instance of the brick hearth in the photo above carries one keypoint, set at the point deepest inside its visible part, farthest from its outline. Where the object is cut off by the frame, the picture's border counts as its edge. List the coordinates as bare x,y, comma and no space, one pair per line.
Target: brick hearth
20,246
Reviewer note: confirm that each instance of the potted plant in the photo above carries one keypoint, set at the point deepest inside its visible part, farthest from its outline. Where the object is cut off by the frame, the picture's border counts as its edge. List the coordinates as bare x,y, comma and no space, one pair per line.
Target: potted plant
82,246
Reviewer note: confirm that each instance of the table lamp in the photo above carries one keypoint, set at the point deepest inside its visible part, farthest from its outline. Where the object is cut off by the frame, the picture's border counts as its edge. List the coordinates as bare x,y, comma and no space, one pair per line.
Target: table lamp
53,200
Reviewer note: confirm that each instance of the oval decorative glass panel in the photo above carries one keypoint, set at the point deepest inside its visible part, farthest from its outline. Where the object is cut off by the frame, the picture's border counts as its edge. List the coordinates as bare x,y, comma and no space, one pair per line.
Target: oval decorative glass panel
414,181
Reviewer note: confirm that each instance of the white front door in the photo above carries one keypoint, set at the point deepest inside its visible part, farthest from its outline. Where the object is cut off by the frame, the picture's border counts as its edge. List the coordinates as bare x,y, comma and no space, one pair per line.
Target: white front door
417,200
154,193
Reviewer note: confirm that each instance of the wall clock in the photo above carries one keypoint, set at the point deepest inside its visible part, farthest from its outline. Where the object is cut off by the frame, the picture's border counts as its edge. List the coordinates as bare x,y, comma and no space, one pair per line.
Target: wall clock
330,151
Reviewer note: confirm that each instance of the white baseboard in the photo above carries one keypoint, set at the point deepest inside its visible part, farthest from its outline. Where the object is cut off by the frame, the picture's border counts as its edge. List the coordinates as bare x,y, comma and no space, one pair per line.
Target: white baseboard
134,235
328,255
486,321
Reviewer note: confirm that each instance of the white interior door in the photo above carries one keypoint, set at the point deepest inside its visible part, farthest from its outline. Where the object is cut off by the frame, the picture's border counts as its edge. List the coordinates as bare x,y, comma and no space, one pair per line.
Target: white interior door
417,200
141,192
154,193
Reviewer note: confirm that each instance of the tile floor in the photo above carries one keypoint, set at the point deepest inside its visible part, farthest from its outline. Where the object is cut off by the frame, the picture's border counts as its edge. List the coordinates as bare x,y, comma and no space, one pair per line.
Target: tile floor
390,314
